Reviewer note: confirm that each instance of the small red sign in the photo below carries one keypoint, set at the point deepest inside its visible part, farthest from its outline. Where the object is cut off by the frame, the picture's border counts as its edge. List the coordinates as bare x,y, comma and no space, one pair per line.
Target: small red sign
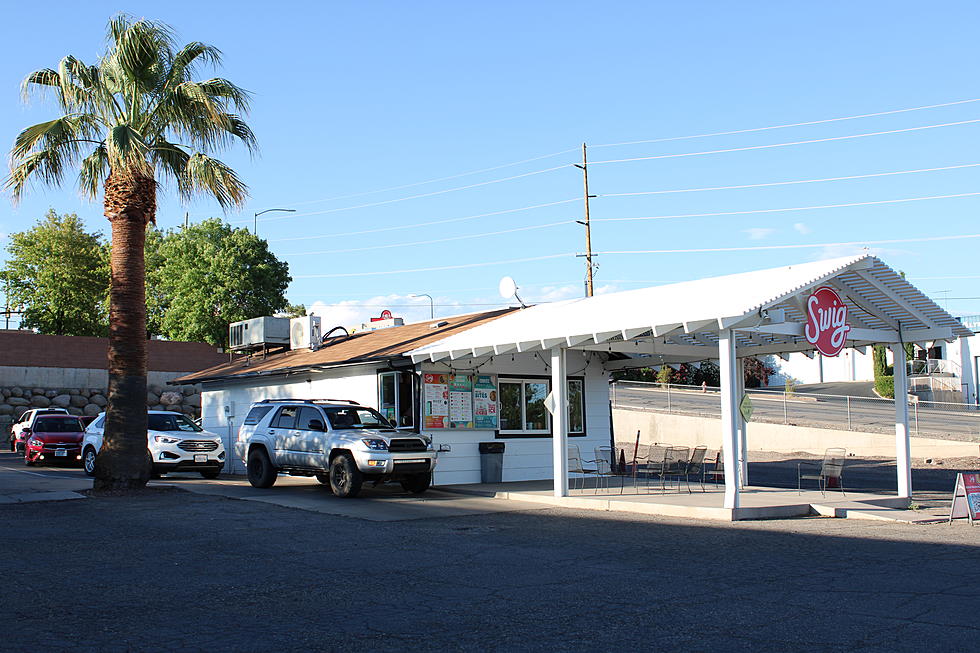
386,315
826,323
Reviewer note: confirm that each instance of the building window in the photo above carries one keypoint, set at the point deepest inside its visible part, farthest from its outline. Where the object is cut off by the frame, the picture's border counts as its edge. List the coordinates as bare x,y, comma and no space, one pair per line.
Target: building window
395,397
522,410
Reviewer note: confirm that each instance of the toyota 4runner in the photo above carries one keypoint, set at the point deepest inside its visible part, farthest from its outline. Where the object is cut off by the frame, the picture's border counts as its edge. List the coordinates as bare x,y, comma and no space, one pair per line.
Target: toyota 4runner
341,443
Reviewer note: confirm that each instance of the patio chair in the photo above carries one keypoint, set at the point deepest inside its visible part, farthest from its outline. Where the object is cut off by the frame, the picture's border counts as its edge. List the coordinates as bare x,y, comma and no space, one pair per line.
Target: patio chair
604,459
717,471
576,465
695,466
674,464
650,463
831,469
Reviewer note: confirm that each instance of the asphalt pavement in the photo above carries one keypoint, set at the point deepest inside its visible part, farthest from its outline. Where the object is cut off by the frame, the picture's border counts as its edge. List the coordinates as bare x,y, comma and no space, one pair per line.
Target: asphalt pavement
173,570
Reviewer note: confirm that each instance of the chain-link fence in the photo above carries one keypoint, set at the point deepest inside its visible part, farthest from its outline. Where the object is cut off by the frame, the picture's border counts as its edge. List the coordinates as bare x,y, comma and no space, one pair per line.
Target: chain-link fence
948,420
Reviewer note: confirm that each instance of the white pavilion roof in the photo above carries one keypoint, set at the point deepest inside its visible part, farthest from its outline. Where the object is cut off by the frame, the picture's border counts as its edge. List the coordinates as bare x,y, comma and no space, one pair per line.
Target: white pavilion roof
680,321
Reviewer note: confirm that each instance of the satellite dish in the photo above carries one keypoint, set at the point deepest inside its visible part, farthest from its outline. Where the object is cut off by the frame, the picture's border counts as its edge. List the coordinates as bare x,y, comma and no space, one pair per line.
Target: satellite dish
508,289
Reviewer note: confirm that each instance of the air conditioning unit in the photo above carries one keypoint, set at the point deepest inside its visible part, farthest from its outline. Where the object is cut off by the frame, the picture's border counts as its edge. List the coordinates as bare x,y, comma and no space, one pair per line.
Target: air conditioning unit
258,333
304,332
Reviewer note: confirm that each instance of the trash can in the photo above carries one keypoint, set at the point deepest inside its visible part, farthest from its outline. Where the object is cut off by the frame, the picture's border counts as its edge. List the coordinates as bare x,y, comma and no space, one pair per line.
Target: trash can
491,462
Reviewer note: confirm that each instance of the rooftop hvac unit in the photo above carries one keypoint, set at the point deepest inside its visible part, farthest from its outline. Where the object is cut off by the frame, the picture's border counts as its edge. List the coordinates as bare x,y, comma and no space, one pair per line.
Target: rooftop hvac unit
304,332
258,333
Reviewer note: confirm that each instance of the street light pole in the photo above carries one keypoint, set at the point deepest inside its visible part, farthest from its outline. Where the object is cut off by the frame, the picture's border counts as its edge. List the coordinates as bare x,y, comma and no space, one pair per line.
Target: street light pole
255,218
432,310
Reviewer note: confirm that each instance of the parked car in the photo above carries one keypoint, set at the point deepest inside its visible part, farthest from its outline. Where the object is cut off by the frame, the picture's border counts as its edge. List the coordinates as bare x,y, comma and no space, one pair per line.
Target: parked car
53,438
26,421
173,444
341,443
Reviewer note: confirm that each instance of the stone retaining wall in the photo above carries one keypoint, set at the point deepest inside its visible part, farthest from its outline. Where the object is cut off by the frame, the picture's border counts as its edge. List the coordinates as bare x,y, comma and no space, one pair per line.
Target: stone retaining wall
16,400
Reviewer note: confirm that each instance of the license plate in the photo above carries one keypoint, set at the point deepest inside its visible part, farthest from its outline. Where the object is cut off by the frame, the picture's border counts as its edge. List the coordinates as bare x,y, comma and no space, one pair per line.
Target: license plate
200,458
60,452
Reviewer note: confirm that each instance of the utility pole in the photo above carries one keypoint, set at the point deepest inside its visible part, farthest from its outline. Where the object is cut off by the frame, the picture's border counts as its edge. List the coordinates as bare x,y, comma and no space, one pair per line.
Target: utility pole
587,224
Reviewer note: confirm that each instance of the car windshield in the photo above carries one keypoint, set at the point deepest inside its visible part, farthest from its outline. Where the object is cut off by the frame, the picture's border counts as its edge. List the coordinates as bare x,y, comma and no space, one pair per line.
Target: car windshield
355,418
166,422
58,425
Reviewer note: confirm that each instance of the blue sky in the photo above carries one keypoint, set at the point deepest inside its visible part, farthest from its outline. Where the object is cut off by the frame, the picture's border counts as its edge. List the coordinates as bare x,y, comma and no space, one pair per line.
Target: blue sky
352,98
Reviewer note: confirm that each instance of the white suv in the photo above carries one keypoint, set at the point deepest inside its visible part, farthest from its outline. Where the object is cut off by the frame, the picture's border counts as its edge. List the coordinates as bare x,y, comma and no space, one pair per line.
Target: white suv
342,443
173,442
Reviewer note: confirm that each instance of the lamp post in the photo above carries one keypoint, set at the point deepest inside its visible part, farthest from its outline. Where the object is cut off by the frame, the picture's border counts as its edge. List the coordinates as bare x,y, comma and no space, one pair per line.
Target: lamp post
432,310
255,218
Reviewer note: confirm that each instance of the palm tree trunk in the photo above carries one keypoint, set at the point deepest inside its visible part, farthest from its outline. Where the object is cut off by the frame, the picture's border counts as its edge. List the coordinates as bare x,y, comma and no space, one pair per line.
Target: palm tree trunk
130,203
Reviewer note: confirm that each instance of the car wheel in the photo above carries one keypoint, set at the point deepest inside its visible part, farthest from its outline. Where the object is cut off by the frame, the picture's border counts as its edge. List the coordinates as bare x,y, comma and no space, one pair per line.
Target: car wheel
27,460
210,473
261,473
417,483
323,478
88,461
345,477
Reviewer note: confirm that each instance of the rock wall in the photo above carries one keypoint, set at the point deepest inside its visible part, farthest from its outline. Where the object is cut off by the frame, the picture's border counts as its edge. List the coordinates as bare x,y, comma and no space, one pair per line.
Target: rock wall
16,400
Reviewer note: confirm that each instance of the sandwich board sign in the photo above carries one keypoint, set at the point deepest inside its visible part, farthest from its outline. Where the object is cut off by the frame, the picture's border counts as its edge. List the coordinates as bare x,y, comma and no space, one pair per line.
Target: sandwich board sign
966,498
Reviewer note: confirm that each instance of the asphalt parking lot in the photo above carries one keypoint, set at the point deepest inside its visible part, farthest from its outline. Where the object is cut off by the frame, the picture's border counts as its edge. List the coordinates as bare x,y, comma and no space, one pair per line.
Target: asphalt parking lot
171,569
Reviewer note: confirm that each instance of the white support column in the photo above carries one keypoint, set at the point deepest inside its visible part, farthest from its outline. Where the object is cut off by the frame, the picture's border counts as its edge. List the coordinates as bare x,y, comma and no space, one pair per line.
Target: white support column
903,453
559,420
743,444
729,410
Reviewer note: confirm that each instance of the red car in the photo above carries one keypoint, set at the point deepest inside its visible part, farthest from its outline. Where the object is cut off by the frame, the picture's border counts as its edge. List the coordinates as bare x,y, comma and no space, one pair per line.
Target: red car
54,439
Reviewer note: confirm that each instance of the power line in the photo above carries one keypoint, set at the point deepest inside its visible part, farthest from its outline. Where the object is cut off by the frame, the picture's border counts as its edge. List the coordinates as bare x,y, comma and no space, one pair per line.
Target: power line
788,183
414,197
853,243
432,269
433,181
787,144
794,124
430,242
792,208
428,224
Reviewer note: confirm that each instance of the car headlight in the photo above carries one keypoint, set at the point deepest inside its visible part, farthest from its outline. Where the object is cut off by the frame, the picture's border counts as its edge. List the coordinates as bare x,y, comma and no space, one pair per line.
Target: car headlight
375,445
35,443
166,439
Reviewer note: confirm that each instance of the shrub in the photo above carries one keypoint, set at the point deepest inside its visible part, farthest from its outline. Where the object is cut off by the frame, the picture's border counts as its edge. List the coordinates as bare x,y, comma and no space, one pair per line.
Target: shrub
885,386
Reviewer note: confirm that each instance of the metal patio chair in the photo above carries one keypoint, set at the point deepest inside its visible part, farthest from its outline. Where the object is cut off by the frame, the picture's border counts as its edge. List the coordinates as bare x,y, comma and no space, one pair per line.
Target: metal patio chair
831,469
604,466
576,465
674,464
717,471
695,466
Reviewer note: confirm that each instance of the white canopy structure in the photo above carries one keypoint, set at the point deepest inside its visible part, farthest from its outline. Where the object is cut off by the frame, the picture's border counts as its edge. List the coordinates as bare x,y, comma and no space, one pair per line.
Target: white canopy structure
723,318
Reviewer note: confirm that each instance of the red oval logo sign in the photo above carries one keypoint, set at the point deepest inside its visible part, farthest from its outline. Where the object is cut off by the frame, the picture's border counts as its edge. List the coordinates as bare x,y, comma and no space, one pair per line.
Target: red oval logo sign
826,322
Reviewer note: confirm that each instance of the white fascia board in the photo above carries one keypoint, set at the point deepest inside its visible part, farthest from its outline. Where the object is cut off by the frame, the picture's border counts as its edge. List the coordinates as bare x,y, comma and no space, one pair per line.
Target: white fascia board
418,358
437,356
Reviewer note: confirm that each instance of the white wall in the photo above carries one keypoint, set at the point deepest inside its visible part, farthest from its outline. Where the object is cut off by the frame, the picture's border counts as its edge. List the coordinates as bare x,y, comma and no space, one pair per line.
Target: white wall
849,365
524,458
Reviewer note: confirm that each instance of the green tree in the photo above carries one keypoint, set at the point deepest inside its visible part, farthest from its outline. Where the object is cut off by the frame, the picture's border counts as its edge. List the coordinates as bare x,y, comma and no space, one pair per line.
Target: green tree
209,274
294,310
58,273
136,114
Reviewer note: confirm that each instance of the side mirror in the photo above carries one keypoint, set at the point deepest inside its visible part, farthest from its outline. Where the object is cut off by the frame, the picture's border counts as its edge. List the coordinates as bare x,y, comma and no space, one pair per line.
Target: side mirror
316,425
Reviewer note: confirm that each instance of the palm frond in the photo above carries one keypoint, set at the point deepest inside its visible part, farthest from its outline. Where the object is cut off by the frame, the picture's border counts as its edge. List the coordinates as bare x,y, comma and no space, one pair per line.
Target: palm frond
185,62
211,176
47,165
67,133
127,150
171,160
93,171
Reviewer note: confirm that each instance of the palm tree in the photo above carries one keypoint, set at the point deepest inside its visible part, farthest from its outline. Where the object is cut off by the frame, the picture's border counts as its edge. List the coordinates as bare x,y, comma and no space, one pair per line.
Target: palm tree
134,115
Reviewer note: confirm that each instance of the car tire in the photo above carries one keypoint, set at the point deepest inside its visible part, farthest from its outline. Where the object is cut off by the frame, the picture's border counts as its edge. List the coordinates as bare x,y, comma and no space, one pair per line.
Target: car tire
210,474
324,478
417,483
28,461
260,471
88,461
345,477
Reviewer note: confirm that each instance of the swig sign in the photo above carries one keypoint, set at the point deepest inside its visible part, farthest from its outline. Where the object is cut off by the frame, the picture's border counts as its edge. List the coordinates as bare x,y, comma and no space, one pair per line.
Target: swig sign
826,322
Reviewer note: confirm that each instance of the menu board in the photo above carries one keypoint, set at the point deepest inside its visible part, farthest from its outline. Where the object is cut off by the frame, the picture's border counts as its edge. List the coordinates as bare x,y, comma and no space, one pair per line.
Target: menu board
485,402
435,401
966,497
460,401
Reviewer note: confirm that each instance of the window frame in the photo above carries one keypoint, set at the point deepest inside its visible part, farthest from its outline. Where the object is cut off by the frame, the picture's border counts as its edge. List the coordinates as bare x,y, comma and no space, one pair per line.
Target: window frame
398,377
503,434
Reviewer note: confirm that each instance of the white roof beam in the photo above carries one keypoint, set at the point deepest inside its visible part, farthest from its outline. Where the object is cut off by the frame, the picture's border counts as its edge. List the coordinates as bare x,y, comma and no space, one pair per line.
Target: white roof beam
867,307
437,356
456,354
629,334
602,336
898,299
549,343
481,351
666,329
697,325
574,341
504,349
528,345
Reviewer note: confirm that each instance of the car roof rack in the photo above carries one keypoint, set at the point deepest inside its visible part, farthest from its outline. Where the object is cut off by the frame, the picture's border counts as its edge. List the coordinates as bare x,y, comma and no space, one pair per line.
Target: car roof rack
310,401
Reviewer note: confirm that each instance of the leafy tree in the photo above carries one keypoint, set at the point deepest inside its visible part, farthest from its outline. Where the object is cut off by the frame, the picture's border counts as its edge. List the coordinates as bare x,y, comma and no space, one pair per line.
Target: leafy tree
59,274
757,372
136,114
209,274
294,310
